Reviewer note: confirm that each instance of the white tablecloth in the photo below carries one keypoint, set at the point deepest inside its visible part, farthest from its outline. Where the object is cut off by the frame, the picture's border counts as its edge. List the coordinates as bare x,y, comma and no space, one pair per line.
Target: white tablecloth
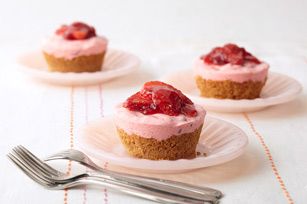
48,118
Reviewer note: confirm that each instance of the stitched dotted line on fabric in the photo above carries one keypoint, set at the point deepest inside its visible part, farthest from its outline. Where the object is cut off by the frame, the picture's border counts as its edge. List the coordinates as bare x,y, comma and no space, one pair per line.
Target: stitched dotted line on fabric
86,121
105,191
271,160
71,138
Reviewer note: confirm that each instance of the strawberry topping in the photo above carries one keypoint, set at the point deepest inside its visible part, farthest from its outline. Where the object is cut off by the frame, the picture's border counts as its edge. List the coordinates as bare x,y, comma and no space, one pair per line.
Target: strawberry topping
76,31
159,97
229,53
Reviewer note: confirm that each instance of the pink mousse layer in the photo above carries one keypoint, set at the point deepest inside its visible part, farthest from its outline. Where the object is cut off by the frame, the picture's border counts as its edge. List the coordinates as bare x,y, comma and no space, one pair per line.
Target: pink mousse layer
61,48
157,126
236,73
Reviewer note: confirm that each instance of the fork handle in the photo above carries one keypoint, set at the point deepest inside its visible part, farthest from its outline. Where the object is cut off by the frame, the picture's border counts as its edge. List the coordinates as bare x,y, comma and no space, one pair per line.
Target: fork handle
170,184
146,193
158,185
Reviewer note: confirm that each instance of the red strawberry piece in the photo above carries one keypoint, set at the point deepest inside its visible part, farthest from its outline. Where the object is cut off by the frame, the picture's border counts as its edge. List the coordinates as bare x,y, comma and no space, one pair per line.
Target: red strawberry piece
61,30
152,85
168,101
189,110
141,103
229,53
76,31
79,35
159,97
156,84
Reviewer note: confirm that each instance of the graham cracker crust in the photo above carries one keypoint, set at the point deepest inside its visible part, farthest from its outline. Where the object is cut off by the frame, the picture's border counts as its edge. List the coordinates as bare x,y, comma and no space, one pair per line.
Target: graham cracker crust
229,89
91,63
176,147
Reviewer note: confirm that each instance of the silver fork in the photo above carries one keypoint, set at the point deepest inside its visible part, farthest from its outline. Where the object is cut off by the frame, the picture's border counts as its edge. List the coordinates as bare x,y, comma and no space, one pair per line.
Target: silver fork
83,159
51,178
50,183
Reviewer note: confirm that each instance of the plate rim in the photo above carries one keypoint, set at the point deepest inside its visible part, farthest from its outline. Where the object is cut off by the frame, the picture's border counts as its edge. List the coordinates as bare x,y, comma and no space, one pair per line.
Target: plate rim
254,103
118,161
73,78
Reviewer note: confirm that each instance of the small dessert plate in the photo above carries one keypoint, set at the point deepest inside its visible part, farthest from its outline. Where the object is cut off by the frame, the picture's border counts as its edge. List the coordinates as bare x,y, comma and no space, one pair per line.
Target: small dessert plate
278,89
116,63
220,141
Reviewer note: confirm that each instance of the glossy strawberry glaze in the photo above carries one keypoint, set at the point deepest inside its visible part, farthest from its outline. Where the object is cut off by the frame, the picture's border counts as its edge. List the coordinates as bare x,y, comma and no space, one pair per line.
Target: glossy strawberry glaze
159,111
158,97
229,53
76,31
221,64
70,42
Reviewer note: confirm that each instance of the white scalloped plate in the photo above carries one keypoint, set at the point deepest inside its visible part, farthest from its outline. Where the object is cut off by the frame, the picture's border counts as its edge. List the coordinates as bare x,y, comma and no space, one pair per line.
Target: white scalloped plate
278,89
116,63
220,140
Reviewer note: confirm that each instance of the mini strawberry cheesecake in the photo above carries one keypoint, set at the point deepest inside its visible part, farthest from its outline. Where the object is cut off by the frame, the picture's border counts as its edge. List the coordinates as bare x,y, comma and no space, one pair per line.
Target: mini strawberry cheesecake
159,123
75,48
230,72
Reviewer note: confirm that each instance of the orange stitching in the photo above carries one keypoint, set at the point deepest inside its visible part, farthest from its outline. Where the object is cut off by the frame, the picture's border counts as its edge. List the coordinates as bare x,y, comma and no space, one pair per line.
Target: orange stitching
271,160
105,195
71,138
106,163
68,172
71,131
86,121
65,196
84,194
